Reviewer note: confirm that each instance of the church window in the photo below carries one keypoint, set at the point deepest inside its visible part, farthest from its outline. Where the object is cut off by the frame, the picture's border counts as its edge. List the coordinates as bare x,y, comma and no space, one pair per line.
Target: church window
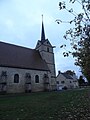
47,49
36,79
16,78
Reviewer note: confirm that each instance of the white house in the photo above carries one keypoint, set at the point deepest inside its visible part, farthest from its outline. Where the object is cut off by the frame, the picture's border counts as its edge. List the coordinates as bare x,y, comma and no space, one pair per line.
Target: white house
65,80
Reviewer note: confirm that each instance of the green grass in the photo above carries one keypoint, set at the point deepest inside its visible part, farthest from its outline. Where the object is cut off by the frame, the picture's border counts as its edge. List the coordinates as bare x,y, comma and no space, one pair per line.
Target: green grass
63,105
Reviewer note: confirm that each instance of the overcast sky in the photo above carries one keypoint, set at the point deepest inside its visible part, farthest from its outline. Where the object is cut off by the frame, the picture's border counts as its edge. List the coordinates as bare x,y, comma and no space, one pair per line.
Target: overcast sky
20,24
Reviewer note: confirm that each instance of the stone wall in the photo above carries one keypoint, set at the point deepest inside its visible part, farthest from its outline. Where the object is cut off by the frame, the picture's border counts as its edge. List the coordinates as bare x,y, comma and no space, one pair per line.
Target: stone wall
46,52
19,87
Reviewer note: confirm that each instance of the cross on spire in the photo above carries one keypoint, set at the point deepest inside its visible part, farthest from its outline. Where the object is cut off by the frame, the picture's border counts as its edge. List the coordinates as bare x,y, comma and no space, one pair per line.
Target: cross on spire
42,32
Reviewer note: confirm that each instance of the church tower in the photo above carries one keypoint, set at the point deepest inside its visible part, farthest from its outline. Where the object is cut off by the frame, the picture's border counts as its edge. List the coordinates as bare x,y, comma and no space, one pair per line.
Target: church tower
46,50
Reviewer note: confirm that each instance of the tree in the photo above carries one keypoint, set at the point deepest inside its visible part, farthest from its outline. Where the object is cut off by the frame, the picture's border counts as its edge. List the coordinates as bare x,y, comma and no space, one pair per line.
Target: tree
69,72
81,81
79,35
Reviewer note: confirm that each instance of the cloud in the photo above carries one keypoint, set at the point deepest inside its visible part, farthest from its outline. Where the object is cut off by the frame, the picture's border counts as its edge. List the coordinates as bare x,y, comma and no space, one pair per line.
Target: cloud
9,23
20,23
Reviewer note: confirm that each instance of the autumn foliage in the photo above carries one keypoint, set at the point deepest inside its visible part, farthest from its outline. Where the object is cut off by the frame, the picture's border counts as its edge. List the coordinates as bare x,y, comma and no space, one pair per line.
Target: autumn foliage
78,35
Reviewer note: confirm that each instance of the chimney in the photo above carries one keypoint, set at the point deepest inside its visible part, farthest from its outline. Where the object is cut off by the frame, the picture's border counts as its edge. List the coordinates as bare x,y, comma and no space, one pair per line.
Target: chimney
59,72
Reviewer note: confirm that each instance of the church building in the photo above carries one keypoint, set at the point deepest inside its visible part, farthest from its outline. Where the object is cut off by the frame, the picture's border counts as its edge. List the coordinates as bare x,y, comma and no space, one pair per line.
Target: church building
27,70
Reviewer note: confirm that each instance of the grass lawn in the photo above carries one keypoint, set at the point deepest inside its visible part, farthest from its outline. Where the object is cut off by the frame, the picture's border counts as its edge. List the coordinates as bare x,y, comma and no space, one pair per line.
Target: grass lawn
63,105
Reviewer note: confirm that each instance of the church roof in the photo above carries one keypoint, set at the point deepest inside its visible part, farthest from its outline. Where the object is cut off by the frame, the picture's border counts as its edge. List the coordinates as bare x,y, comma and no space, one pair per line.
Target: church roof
21,57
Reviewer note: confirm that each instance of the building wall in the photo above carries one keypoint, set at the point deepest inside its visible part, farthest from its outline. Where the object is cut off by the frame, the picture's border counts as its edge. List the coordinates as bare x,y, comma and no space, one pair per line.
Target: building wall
75,81
49,58
46,51
62,82
12,87
44,46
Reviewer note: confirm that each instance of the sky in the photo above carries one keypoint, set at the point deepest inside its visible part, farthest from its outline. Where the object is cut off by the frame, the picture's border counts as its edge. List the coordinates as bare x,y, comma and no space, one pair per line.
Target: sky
20,24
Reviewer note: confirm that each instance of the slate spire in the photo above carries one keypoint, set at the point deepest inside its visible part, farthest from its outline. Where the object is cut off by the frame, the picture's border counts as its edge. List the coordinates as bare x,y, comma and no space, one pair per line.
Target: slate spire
42,32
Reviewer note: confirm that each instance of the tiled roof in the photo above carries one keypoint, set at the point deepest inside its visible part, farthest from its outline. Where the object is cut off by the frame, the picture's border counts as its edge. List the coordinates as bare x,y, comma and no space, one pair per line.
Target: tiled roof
66,76
21,57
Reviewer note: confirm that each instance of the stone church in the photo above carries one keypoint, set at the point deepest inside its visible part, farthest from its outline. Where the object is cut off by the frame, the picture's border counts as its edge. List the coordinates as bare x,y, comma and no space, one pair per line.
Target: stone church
27,70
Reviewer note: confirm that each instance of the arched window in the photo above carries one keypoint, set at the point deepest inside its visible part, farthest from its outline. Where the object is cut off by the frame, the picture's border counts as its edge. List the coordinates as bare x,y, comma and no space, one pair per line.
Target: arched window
36,79
16,78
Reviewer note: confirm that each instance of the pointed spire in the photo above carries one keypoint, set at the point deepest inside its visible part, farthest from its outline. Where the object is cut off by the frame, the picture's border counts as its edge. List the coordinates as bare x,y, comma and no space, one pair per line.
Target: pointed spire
42,32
